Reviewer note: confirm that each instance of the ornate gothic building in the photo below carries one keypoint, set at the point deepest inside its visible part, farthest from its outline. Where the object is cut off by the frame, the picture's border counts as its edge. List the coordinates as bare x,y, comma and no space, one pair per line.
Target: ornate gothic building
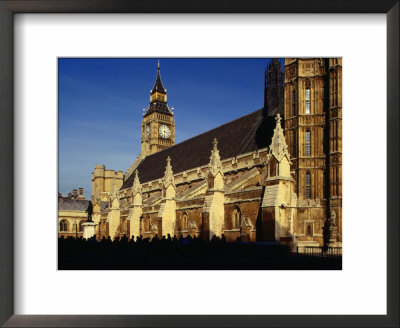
313,130
271,175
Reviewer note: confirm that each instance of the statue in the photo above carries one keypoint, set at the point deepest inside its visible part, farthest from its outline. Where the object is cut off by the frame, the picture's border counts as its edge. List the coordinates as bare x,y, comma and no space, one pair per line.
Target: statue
89,212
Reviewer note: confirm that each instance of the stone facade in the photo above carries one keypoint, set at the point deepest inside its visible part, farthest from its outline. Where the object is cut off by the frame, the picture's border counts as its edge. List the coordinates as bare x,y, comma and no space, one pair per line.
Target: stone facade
272,175
72,213
105,183
313,129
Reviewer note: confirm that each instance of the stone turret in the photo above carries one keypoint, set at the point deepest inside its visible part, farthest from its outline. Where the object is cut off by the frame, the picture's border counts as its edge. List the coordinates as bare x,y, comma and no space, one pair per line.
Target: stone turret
115,213
279,185
137,205
215,160
136,187
167,212
278,151
105,182
213,209
168,175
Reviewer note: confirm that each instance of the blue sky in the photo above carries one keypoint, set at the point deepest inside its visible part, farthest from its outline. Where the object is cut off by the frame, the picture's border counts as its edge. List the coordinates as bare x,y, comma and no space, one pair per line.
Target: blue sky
100,102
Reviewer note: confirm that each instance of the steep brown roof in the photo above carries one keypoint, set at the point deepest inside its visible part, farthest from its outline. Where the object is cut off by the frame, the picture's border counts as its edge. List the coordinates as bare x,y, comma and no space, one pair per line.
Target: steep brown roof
245,134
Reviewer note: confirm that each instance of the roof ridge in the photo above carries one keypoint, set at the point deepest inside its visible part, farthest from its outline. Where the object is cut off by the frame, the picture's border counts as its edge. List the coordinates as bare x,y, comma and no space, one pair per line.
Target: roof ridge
240,135
217,127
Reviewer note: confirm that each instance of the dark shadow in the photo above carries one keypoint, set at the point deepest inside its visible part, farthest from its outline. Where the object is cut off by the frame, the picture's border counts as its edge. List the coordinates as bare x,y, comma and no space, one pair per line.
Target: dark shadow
265,131
259,219
326,149
186,253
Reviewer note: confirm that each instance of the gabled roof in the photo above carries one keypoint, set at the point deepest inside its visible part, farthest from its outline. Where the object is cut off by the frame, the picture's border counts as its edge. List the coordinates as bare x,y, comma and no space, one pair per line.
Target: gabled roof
245,134
71,204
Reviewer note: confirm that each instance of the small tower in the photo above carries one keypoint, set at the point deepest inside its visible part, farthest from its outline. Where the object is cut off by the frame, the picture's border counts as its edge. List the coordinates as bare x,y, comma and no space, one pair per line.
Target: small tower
277,199
167,211
215,180
158,125
136,207
278,152
213,211
273,89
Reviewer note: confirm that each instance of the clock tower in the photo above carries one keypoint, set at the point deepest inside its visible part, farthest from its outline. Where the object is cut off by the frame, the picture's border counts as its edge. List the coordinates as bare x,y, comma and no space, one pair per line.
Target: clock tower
158,125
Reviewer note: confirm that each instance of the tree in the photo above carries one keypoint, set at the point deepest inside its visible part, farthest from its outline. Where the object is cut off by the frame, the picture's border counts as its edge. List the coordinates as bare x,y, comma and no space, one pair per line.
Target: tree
89,212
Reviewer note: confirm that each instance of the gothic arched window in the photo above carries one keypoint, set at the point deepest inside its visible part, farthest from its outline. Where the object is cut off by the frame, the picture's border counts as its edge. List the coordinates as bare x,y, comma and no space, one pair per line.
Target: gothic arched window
308,100
185,221
63,225
147,224
308,185
293,103
236,218
308,143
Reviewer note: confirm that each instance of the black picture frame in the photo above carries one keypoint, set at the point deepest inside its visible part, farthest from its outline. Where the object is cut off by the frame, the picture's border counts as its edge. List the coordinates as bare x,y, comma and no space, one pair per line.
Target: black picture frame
8,200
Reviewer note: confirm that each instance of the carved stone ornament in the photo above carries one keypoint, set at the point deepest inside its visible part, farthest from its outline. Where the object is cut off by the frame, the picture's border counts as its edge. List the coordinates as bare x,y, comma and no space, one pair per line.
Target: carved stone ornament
278,146
169,174
136,187
215,160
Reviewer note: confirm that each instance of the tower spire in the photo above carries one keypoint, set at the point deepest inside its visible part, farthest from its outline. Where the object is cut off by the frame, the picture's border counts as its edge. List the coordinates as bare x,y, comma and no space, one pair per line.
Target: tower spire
158,86
158,131
158,96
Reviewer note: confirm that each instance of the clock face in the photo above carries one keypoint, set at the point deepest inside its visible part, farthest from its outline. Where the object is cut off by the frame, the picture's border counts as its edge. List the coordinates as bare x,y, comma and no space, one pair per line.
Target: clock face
148,130
164,131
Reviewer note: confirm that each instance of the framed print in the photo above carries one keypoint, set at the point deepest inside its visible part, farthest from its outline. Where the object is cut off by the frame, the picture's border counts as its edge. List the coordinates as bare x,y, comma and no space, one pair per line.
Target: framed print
199,226
41,48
